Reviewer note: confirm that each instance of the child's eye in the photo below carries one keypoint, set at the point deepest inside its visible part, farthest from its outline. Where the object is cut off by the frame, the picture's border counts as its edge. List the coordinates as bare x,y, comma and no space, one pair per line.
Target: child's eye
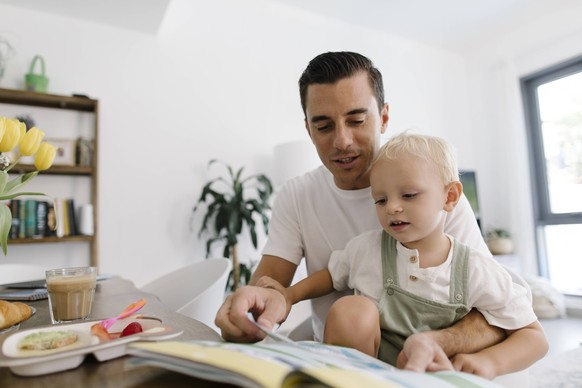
409,196
380,201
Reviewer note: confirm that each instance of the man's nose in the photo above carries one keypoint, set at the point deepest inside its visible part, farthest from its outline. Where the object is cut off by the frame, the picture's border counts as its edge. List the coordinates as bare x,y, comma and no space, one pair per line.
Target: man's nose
344,137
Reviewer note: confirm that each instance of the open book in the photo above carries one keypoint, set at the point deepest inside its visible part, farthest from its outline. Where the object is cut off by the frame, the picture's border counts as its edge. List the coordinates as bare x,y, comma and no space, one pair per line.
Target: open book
287,364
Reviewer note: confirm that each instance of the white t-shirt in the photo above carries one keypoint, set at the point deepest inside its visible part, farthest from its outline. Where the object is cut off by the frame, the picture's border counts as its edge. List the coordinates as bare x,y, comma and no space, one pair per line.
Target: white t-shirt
490,287
312,217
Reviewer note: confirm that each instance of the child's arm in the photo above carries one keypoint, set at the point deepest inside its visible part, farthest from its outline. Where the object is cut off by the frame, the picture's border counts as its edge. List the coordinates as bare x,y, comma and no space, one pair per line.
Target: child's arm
315,285
520,350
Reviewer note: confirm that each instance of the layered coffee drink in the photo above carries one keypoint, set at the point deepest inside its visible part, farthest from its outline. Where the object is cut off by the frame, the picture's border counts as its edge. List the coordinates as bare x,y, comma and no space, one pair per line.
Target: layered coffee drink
71,292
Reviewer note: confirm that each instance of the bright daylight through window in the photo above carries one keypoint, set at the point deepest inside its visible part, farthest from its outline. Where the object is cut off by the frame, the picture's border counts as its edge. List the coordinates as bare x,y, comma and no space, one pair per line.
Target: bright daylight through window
553,104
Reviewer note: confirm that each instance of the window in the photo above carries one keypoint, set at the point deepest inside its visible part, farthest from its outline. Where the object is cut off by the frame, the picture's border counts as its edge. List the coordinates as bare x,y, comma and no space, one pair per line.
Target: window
553,108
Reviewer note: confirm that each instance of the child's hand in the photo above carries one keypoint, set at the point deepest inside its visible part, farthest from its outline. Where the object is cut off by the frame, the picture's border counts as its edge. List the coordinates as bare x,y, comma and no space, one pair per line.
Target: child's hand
476,363
269,282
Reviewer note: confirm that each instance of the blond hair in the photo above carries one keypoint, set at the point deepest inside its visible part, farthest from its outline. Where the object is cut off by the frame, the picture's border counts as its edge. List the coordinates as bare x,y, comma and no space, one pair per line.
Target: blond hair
430,148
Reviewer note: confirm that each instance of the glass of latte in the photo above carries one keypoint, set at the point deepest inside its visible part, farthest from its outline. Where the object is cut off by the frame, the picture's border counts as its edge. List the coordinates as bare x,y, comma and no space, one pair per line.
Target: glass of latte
71,292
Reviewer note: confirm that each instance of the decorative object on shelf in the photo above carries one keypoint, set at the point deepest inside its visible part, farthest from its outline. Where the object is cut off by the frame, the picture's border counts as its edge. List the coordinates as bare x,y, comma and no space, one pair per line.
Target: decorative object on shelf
66,151
85,148
36,82
27,120
13,133
231,207
499,241
6,51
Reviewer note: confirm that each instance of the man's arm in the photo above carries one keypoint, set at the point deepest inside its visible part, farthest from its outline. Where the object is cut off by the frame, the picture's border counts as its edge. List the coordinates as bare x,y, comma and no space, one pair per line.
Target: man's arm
425,351
274,267
469,335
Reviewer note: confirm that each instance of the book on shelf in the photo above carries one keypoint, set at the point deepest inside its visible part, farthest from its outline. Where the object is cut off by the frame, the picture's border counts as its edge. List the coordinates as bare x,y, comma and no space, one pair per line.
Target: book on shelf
22,216
30,218
287,364
15,210
33,218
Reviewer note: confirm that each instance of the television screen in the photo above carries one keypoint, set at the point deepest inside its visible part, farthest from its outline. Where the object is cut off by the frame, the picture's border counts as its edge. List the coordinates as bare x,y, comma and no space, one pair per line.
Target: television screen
469,181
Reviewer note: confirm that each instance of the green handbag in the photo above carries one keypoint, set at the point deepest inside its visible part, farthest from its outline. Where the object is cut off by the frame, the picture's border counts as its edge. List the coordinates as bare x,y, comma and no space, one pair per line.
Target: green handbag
36,82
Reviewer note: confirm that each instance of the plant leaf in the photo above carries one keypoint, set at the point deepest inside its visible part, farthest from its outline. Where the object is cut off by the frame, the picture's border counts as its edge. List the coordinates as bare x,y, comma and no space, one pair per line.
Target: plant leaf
3,180
19,181
14,195
5,224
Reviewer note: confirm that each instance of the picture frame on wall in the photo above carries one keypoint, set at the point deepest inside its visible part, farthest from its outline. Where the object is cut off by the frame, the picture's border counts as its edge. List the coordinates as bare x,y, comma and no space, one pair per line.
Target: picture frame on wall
66,151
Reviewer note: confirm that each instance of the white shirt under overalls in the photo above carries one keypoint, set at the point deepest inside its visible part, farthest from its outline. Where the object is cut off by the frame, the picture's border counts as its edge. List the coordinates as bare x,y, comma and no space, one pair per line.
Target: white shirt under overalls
312,217
491,290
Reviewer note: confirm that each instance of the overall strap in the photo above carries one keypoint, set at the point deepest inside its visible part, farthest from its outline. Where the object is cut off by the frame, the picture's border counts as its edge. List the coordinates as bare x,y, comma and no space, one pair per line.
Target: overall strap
389,273
459,273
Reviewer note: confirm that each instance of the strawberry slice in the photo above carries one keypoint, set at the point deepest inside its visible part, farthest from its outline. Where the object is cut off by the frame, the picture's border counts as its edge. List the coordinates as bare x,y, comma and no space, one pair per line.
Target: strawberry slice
132,328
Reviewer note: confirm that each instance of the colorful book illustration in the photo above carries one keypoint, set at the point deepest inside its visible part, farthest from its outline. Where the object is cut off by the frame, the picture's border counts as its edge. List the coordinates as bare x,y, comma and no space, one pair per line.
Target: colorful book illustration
285,364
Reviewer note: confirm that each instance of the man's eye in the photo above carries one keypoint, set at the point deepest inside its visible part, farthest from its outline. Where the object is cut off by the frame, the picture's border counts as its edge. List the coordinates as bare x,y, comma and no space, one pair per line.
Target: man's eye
409,196
323,127
357,122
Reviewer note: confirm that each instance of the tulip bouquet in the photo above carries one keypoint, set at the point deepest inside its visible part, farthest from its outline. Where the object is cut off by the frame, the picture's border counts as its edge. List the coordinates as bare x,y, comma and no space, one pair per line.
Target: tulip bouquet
13,134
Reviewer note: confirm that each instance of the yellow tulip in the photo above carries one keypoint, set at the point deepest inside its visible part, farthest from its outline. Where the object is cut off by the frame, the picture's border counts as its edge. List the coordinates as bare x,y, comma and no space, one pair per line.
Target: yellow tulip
2,126
13,134
45,156
31,141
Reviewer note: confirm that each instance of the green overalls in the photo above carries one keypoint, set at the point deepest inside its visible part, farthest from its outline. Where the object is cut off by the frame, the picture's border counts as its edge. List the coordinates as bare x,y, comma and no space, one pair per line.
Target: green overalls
403,313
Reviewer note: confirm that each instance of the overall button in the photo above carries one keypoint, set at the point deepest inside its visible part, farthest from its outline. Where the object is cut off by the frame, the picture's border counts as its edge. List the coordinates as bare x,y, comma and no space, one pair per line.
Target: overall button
390,291
460,310
413,278
458,297
413,259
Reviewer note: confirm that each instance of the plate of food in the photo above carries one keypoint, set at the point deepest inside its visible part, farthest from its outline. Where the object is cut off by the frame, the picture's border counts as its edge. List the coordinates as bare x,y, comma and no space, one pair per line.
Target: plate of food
12,314
57,348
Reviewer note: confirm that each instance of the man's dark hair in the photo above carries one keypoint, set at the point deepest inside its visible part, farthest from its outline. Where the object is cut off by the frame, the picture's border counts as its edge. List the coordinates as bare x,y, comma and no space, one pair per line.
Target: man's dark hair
328,68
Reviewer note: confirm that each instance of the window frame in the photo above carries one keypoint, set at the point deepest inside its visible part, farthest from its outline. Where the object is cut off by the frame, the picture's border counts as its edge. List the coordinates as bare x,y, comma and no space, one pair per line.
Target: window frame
543,215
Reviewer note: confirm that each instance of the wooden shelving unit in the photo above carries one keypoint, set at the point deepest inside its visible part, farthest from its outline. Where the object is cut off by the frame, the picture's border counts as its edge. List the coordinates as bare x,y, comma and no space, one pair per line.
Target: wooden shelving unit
70,103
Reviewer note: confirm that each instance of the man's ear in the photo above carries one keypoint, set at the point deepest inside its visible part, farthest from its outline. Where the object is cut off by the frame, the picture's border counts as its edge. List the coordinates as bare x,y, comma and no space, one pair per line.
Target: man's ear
454,191
384,116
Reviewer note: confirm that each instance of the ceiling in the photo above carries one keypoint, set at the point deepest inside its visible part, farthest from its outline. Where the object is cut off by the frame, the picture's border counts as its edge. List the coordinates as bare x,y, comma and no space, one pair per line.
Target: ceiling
451,24
141,15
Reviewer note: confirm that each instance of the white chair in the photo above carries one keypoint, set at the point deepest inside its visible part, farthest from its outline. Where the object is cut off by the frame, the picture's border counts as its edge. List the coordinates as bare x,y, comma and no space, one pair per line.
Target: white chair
196,290
14,273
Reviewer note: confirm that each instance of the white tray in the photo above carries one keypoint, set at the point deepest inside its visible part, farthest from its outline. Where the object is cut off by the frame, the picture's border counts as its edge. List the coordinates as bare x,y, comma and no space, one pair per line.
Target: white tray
39,362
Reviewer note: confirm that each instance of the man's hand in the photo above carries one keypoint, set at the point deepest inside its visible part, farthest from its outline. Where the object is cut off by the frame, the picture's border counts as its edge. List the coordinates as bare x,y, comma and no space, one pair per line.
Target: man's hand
268,306
421,353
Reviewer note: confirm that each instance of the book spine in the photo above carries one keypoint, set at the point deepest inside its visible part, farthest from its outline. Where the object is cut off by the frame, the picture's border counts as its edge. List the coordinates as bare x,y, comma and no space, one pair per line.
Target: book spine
66,219
22,212
60,215
74,230
30,218
51,220
41,219
15,209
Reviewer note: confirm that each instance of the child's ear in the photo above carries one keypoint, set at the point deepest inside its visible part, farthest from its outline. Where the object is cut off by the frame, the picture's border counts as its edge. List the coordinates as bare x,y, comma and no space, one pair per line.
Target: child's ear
454,191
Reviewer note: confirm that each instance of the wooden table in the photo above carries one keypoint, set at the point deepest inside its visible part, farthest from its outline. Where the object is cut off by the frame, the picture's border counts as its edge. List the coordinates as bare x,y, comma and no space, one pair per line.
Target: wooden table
112,296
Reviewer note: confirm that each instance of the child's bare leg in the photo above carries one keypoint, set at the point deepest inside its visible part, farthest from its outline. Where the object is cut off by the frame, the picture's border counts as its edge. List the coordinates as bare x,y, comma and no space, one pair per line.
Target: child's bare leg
354,321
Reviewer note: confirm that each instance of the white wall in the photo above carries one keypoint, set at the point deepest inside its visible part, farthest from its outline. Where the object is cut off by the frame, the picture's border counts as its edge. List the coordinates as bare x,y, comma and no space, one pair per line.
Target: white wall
218,81
497,119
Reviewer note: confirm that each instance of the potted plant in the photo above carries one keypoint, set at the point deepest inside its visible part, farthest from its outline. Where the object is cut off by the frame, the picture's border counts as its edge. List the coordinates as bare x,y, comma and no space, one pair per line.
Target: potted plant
499,241
232,203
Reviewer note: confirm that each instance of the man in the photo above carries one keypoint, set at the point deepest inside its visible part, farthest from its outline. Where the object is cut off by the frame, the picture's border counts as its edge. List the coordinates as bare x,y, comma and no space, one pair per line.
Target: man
342,98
